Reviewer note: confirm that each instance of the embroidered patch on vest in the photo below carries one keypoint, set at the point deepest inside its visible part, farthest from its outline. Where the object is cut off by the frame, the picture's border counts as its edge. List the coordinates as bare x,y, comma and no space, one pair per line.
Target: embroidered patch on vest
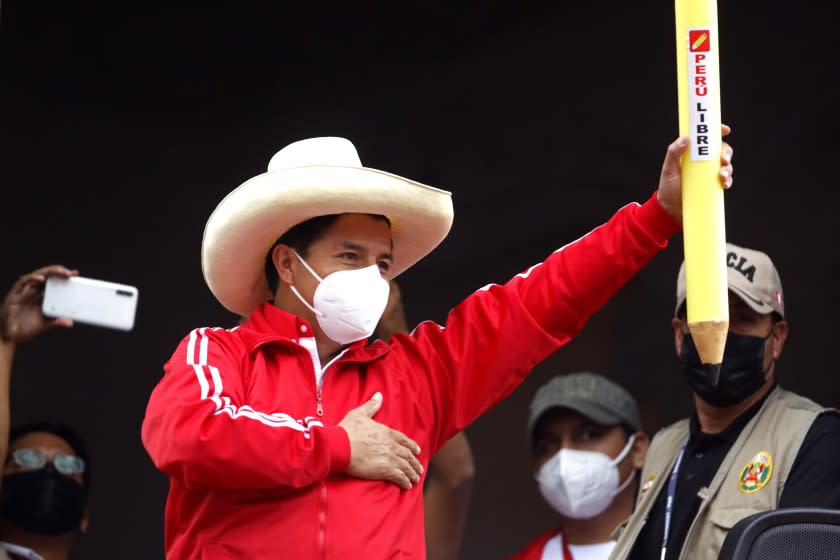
756,474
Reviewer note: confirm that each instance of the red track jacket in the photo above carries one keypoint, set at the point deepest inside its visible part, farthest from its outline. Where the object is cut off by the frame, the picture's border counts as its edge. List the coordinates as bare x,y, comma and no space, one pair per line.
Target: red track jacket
246,426
534,549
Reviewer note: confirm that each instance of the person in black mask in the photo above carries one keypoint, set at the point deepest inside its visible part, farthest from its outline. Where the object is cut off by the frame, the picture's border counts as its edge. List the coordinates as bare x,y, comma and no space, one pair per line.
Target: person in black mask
43,498
750,446
44,486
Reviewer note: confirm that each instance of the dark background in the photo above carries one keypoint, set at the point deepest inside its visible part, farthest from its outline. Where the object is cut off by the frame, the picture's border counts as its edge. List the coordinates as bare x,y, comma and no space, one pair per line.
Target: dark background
124,124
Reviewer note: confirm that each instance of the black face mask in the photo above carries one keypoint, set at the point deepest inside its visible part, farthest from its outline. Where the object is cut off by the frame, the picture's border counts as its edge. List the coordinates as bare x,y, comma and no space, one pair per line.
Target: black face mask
741,372
44,501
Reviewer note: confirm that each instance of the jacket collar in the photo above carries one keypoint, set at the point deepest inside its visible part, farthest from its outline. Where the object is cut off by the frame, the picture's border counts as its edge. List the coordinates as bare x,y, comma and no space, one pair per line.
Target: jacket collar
268,324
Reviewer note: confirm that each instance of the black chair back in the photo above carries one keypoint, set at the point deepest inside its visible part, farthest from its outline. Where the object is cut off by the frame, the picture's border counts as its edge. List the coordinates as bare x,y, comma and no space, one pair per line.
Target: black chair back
785,534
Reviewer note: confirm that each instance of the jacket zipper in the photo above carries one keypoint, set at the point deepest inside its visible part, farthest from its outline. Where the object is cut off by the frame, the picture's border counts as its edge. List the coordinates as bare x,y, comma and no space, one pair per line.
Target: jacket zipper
319,396
319,411
322,523
322,509
322,497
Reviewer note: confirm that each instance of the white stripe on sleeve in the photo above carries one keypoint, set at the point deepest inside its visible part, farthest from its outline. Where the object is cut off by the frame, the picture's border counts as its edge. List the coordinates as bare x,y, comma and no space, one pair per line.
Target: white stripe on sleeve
223,402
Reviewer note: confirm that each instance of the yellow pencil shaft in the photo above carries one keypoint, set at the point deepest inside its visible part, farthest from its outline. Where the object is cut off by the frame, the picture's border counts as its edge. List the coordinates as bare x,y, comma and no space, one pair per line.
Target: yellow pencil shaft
704,231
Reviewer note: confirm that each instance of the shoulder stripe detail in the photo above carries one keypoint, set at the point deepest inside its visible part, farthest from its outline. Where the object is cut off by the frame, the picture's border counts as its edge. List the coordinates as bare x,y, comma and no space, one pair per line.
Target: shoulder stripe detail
198,337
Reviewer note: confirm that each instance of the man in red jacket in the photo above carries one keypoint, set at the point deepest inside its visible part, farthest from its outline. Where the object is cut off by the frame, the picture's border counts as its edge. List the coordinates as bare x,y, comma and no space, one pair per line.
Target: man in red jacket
267,430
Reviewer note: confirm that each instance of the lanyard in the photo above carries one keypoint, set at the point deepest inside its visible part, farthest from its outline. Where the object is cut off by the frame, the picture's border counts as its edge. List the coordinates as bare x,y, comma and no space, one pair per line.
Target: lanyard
669,503
567,554
546,551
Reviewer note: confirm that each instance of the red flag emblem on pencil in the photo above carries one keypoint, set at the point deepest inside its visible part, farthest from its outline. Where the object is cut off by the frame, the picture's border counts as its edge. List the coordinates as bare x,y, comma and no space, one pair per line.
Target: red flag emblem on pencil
699,40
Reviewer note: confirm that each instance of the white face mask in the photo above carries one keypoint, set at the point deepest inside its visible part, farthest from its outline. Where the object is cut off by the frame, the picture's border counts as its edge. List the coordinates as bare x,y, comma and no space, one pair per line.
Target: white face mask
582,484
347,303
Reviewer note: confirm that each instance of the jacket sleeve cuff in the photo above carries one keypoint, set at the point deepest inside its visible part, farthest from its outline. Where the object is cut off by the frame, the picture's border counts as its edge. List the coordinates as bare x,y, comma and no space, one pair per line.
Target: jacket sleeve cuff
658,222
339,448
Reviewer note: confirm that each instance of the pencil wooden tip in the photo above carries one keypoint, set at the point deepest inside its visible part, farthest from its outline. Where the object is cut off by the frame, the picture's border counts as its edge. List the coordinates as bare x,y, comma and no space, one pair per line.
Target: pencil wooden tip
709,339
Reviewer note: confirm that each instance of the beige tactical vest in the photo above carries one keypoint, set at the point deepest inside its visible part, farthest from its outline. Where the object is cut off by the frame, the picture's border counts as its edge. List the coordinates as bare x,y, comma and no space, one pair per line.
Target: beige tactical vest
749,480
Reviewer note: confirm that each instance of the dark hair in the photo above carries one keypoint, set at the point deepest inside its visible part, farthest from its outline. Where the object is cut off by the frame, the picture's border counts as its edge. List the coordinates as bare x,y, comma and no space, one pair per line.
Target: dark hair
65,432
299,238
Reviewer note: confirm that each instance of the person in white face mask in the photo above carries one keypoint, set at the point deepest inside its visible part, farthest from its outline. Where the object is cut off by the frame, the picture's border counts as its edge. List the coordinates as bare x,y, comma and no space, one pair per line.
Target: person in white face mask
588,447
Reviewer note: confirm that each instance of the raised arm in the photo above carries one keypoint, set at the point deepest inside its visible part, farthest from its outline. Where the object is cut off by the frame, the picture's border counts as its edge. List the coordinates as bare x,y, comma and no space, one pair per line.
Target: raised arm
495,337
7,353
20,320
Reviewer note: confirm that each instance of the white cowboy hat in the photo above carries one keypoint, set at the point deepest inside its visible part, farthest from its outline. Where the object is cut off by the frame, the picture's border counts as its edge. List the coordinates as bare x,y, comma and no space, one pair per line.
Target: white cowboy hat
309,178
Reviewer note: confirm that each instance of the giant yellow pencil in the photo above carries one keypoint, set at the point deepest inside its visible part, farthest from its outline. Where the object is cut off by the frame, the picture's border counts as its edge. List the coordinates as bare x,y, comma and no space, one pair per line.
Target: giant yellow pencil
704,232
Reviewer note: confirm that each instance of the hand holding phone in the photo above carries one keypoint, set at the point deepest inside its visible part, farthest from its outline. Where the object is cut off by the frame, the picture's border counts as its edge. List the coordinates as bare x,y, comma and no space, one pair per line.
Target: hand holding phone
21,317
91,301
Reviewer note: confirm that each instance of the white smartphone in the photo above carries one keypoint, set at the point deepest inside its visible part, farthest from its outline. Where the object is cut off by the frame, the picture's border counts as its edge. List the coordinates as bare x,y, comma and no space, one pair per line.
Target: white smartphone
95,302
